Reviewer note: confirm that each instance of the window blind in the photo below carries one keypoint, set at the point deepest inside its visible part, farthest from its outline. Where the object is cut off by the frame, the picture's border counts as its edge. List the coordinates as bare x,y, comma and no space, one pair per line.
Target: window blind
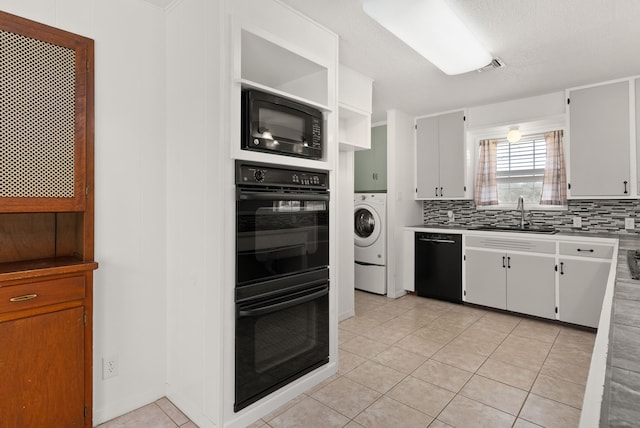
521,160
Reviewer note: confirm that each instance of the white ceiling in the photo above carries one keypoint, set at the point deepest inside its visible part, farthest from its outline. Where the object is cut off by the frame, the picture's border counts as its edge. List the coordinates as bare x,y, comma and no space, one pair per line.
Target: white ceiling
161,3
547,45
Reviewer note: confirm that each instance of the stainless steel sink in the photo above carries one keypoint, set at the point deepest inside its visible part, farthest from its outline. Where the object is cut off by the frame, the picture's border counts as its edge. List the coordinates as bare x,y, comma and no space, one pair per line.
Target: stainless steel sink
526,229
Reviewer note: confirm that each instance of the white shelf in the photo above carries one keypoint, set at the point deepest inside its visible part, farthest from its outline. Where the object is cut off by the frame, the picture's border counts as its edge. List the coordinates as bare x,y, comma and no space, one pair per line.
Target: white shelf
268,66
354,128
354,110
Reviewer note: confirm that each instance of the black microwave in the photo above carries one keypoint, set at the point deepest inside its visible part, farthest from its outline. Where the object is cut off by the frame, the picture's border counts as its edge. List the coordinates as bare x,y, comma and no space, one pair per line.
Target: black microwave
278,125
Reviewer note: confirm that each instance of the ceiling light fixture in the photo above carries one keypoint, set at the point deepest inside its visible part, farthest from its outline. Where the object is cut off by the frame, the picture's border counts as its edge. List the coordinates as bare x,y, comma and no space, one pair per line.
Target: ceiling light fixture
514,135
433,30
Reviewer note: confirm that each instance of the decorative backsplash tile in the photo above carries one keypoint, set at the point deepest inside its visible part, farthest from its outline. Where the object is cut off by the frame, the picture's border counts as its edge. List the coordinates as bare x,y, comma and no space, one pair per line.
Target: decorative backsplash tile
600,215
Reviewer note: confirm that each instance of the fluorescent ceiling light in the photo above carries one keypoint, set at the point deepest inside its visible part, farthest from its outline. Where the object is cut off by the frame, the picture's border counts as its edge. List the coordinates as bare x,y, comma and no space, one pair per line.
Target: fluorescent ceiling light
431,29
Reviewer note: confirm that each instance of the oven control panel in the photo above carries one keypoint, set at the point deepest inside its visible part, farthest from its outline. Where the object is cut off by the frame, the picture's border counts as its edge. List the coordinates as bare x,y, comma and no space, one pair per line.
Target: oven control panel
280,175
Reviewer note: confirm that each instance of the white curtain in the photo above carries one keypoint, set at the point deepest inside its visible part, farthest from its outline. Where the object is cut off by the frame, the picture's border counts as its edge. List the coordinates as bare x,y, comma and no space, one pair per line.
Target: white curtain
554,183
486,190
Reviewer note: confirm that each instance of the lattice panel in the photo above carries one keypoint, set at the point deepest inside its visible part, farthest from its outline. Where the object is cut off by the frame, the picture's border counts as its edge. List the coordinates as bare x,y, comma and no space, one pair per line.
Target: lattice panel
37,115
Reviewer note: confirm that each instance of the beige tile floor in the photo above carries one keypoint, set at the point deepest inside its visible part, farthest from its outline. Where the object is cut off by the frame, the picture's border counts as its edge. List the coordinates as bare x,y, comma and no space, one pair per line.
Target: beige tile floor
416,362
159,414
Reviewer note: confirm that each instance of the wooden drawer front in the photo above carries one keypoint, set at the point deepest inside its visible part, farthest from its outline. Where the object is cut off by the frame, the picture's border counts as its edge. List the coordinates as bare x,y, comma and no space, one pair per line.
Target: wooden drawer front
586,249
42,293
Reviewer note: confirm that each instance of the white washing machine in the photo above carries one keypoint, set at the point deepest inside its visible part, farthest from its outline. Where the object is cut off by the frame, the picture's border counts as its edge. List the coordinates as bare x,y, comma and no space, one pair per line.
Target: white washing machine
370,235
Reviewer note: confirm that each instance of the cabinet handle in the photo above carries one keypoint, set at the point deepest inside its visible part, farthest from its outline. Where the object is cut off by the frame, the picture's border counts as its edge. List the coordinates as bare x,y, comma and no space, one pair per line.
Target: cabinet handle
508,262
625,187
503,262
590,250
441,191
561,268
436,192
23,298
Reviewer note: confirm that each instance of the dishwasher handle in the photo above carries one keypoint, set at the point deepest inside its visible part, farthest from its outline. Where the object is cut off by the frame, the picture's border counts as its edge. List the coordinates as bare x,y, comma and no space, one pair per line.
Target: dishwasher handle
437,241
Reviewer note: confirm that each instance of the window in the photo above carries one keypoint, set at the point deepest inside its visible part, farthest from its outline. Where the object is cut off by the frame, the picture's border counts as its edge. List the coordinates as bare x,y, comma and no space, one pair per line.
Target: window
532,167
520,169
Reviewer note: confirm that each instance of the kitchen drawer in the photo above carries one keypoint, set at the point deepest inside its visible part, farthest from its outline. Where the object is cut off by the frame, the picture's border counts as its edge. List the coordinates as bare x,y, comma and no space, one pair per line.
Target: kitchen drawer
586,249
41,293
498,242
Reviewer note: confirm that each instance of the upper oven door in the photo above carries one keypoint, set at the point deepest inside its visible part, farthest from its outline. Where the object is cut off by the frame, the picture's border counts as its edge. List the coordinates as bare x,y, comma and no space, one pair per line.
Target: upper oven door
279,234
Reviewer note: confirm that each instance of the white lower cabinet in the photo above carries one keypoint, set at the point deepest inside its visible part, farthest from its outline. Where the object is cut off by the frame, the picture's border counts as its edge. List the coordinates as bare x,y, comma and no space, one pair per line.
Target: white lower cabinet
554,278
486,278
523,283
581,287
531,285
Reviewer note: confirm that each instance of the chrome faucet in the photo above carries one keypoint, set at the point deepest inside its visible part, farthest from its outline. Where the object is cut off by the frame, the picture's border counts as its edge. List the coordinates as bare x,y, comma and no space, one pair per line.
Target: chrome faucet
520,208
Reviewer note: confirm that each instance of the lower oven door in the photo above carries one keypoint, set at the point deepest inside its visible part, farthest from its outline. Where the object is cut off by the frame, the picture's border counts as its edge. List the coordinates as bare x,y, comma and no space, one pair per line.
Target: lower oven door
279,339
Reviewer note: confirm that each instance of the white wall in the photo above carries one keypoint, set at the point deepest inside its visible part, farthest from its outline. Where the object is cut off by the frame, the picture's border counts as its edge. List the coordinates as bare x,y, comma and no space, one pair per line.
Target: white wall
402,209
198,196
516,111
129,286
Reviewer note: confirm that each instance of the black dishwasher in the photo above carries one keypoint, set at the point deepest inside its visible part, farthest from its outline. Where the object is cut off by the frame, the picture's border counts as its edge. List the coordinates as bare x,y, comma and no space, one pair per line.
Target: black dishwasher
438,266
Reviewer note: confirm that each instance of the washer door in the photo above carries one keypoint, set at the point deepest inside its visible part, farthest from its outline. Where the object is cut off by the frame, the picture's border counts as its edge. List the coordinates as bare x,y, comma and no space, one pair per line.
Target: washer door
366,225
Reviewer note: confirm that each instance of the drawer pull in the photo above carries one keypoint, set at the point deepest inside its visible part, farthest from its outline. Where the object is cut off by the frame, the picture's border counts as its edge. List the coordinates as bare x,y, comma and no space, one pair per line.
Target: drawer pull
23,298
590,250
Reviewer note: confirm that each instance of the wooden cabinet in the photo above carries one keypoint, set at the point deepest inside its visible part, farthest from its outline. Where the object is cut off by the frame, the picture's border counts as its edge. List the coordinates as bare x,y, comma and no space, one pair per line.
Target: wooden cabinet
46,226
599,141
500,275
440,162
583,272
370,166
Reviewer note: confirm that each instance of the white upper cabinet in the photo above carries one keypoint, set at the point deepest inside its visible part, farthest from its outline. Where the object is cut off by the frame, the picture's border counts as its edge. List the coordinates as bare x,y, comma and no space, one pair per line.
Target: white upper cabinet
354,109
599,141
440,156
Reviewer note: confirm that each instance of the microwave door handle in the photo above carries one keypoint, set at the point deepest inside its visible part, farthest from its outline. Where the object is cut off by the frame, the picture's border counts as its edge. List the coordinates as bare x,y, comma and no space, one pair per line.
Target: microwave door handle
271,196
282,305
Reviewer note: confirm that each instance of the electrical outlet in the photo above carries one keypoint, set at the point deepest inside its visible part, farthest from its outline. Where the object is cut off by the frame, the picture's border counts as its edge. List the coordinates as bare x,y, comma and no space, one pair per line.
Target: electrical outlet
629,223
577,222
110,367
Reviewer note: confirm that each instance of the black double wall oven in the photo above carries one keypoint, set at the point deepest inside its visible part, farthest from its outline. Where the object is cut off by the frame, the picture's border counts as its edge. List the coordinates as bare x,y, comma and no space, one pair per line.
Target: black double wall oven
282,277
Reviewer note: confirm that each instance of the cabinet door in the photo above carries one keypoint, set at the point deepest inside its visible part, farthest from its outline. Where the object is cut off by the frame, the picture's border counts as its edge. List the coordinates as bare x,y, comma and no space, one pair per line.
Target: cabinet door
379,143
42,370
531,284
427,158
599,140
47,113
581,290
363,170
370,166
451,150
485,276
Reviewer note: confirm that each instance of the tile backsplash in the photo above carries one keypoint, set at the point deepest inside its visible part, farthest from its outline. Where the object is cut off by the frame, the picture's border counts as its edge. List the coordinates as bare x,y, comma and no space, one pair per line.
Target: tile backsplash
598,215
